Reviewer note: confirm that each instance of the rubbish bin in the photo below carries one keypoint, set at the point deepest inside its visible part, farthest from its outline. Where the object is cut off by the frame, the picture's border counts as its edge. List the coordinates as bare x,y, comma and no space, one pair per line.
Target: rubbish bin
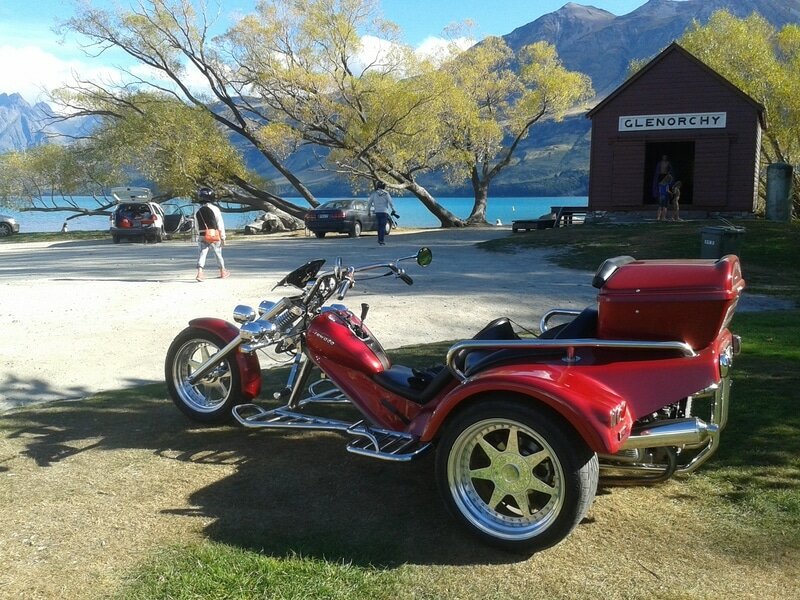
717,241
779,192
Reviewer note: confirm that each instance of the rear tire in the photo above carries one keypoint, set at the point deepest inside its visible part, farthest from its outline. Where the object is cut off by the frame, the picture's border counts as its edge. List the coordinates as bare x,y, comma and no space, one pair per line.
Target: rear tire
515,475
211,399
356,230
319,234
115,239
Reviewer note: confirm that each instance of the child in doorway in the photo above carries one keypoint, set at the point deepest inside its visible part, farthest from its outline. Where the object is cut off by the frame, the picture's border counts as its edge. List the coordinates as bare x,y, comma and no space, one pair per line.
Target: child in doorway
675,192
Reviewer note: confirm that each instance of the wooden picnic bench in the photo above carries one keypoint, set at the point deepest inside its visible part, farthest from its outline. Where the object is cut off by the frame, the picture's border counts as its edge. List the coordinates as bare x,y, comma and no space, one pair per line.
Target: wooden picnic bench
560,216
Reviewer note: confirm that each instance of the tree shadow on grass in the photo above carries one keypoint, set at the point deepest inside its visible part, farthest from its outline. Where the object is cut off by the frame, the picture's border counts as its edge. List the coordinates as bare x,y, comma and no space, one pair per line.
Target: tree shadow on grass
291,493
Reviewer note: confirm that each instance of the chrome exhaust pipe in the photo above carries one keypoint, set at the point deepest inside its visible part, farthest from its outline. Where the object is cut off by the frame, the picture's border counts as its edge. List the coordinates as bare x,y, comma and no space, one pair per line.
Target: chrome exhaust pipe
678,432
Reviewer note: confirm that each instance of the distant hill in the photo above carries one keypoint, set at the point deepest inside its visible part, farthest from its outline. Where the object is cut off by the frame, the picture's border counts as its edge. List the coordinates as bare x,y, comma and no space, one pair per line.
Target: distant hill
602,45
24,126
554,159
21,125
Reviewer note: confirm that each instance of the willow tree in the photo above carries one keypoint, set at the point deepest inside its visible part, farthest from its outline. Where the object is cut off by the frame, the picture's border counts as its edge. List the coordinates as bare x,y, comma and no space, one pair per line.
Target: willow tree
765,64
497,97
376,113
174,41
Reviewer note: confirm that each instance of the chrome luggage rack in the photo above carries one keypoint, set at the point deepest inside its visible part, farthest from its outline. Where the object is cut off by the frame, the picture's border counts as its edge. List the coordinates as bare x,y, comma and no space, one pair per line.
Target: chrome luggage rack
372,442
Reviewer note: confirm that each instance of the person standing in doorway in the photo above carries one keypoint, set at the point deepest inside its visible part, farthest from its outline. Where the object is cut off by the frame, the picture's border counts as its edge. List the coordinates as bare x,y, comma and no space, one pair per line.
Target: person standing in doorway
663,181
380,202
211,232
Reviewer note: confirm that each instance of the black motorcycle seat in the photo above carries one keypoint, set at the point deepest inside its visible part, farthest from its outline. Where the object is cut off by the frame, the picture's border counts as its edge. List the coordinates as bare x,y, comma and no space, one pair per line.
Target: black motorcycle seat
582,326
408,382
421,386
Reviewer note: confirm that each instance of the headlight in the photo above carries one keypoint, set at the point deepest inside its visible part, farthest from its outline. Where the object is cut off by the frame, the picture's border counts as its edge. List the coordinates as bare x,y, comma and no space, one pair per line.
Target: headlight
256,330
266,306
244,314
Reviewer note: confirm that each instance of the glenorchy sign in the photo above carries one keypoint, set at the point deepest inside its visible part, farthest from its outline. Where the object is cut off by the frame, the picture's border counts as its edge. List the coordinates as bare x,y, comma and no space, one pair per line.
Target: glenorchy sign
712,120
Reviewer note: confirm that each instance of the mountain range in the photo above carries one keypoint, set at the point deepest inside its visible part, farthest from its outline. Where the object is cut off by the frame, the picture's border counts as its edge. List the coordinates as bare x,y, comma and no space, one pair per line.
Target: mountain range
554,159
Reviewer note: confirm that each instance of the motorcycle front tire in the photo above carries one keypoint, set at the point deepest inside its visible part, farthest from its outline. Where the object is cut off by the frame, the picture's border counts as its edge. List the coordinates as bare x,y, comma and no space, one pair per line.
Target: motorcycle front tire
210,399
515,474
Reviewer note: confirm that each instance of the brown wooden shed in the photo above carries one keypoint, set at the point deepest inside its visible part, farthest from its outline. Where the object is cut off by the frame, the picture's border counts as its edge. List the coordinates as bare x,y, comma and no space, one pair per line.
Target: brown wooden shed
679,107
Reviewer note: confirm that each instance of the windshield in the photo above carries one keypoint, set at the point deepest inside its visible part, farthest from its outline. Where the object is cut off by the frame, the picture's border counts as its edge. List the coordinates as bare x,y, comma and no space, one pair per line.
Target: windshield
339,204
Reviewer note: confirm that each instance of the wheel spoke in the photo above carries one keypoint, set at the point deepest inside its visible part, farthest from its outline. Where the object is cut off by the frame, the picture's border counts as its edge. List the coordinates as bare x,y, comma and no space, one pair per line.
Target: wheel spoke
222,385
535,459
540,486
497,497
490,450
523,504
487,473
512,445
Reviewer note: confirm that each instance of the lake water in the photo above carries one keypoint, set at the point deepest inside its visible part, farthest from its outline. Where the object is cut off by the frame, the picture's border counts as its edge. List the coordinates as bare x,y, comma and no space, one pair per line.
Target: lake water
412,213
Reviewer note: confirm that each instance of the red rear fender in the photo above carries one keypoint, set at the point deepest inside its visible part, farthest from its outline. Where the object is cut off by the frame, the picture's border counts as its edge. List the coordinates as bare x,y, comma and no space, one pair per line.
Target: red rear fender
599,415
249,367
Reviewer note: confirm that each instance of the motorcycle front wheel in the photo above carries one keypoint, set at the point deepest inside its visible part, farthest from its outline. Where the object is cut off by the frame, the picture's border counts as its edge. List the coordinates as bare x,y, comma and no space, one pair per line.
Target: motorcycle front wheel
515,475
210,399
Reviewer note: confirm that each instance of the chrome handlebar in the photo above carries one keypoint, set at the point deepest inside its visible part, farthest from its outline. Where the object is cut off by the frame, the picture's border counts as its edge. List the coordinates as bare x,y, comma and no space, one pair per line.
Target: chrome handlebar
278,320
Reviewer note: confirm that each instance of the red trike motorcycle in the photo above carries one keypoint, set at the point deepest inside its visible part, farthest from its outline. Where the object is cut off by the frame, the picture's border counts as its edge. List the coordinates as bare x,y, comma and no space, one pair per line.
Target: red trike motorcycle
522,424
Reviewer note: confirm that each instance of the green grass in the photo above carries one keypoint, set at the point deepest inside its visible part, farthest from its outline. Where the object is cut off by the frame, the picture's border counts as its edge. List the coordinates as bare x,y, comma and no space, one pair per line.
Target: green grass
757,467
217,571
769,250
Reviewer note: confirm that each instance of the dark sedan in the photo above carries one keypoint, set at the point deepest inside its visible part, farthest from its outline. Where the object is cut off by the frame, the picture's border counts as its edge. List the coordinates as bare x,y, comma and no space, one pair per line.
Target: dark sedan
341,216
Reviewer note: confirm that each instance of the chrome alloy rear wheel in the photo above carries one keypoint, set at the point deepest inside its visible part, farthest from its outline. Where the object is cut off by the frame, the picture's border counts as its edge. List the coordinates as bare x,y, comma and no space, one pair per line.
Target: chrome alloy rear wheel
211,398
515,476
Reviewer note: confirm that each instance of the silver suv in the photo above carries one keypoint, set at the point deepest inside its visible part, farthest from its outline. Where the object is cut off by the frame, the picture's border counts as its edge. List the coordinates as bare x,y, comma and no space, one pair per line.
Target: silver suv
136,216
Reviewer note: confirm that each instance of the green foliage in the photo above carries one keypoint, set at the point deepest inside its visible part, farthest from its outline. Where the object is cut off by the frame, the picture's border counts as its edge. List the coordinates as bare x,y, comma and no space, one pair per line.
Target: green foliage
51,171
493,103
177,147
155,136
304,59
765,64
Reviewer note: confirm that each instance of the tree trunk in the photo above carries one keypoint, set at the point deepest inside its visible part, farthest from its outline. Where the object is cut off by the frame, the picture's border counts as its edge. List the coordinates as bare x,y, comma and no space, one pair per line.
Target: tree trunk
260,195
480,187
446,218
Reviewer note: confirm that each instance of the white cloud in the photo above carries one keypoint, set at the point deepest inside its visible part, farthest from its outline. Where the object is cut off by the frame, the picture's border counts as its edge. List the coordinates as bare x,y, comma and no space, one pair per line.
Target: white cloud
32,72
437,49
376,51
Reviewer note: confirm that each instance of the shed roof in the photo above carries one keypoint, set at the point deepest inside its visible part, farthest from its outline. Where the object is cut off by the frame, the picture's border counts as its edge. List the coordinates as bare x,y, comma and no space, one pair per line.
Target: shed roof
676,47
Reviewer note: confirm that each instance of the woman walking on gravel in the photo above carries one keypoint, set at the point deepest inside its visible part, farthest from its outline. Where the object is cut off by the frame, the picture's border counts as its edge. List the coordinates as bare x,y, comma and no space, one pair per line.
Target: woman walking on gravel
211,232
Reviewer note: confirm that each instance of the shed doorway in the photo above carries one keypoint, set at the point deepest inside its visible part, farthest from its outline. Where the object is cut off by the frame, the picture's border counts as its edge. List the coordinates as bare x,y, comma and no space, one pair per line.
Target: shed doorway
681,156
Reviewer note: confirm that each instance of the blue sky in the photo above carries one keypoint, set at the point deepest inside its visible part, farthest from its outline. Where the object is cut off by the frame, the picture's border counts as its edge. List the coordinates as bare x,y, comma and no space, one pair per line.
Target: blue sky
32,59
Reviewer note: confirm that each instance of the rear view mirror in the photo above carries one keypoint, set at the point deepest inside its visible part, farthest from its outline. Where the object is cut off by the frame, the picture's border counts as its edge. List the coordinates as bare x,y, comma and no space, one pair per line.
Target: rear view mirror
424,256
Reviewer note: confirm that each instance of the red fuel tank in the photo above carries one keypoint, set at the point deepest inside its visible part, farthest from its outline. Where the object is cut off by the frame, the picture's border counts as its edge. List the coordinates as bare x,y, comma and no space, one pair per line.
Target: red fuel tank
339,336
